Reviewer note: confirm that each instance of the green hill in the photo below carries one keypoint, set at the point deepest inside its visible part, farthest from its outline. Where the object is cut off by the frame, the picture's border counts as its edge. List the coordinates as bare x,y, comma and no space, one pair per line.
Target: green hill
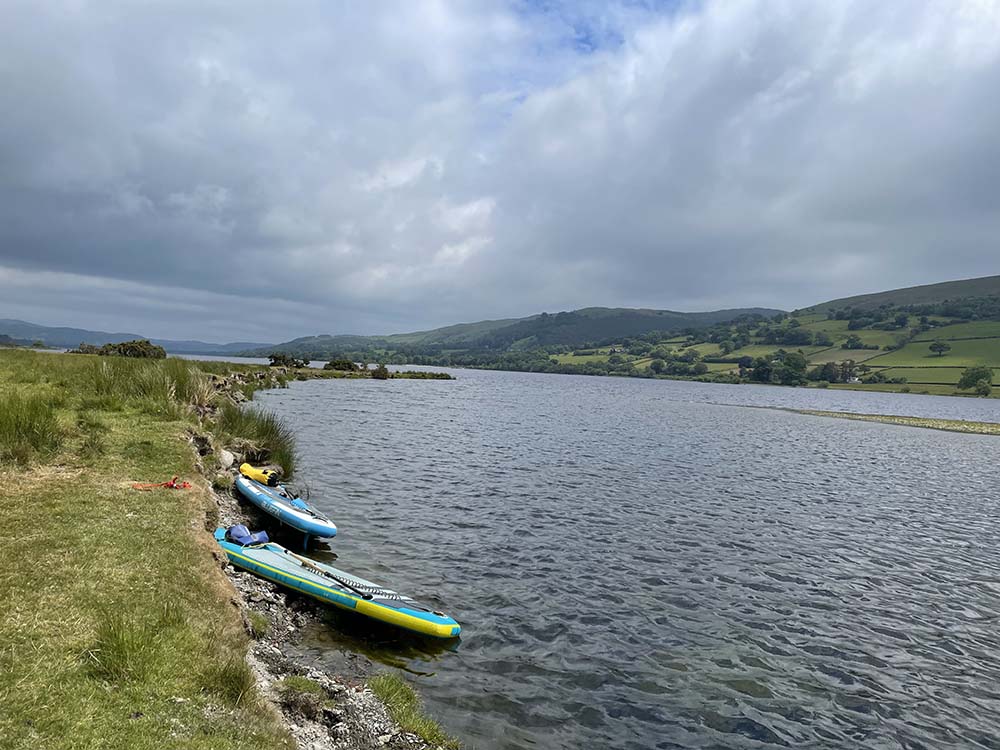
589,326
987,286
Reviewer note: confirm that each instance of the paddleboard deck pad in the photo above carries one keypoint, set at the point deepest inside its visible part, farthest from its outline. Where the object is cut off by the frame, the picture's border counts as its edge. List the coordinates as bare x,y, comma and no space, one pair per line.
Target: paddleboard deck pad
291,511
332,586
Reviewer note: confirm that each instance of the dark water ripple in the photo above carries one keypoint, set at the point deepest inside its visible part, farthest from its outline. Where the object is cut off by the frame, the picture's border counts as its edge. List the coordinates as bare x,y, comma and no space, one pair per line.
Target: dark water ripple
635,567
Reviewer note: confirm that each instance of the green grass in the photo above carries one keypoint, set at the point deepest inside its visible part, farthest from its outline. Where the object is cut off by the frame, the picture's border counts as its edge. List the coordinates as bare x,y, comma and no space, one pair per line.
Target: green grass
259,624
274,439
707,349
116,629
404,707
29,428
570,359
941,375
979,328
298,684
836,354
931,388
962,354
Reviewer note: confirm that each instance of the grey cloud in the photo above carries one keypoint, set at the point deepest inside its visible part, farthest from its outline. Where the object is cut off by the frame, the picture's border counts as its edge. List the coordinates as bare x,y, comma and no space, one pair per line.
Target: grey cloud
377,167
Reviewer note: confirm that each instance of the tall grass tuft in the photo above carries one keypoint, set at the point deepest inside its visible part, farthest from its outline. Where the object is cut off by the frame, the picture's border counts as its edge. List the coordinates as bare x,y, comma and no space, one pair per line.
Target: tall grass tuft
264,429
93,430
28,428
125,649
404,707
231,679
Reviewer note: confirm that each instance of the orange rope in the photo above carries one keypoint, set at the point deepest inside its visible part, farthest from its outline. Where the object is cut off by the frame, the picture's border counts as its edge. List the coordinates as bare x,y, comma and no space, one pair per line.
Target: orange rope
173,484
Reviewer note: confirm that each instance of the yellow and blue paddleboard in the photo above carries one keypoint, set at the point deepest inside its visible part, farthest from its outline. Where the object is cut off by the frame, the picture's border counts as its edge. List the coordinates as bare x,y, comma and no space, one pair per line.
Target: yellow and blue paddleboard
333,586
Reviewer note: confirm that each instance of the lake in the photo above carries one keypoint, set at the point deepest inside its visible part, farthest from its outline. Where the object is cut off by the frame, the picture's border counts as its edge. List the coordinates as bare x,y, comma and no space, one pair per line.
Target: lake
650,564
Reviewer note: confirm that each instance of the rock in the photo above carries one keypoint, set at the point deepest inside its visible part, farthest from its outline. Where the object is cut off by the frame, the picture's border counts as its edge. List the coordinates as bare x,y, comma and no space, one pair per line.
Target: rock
226,459
331,717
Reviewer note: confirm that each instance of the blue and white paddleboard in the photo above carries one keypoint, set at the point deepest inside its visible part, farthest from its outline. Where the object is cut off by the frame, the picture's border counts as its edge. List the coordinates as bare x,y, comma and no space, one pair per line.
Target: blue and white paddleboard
291,511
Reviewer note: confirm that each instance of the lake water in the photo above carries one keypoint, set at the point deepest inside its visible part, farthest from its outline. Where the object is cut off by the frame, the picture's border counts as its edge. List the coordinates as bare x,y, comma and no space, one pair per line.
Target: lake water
647,564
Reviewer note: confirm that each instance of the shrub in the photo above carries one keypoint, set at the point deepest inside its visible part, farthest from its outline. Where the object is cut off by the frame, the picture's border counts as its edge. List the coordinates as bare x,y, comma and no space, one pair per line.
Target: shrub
28,427
136,349
381,372
973,376
263,428
345,365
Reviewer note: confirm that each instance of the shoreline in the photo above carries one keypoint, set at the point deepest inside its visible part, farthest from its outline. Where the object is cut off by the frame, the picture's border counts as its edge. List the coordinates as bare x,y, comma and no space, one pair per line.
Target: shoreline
121,608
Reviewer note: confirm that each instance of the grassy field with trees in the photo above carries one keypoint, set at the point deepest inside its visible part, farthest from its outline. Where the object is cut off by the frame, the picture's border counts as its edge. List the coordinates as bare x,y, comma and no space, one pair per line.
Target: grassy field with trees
920,339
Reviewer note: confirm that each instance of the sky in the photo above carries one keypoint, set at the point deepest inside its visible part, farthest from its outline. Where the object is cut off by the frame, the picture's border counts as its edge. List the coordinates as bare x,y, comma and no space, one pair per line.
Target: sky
257,171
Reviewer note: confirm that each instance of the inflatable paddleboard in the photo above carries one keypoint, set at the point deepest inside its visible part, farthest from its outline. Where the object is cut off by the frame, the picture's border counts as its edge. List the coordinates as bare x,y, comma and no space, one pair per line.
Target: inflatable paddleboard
291,511
332,586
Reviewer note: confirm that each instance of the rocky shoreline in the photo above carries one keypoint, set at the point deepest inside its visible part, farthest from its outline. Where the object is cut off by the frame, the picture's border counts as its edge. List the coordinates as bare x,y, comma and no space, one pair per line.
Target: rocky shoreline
322,711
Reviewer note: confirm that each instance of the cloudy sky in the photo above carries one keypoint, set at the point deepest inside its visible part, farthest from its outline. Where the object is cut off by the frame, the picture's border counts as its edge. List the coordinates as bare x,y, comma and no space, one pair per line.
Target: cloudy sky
259,170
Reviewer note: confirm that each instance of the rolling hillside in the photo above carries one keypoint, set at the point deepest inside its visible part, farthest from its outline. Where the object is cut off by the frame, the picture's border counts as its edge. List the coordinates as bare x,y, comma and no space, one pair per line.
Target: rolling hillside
987,286
592,325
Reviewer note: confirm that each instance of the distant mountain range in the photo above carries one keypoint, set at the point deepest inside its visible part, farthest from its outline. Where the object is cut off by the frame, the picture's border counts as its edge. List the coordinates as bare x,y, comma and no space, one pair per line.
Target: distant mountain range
67,338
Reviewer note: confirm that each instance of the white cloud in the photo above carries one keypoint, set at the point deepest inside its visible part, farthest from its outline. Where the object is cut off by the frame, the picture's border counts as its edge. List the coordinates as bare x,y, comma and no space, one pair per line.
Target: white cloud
472,160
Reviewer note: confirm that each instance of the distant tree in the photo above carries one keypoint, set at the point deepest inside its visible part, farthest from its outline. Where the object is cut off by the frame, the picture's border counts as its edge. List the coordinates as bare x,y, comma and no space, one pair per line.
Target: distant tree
344,365
38,344
657,366
848,370
381,372
853,342
939,347
699,368
902,320
973,376
828,372
280,359
983,388
823,339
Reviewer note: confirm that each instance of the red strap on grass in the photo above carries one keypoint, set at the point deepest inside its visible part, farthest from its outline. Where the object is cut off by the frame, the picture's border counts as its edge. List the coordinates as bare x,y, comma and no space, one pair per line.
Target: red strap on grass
173,484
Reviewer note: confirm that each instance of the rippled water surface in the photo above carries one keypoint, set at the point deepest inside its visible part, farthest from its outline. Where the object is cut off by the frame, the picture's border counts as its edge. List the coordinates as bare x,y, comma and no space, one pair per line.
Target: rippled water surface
637,564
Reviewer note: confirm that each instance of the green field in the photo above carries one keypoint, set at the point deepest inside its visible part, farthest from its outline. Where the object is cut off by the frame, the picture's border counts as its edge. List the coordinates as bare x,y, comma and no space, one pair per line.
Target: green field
932,389
707,349
572,359
945,375
976,329
962,354
761,350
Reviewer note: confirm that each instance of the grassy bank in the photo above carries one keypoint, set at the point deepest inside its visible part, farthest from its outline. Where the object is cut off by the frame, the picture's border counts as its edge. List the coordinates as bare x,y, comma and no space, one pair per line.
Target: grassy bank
117,628
405,708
